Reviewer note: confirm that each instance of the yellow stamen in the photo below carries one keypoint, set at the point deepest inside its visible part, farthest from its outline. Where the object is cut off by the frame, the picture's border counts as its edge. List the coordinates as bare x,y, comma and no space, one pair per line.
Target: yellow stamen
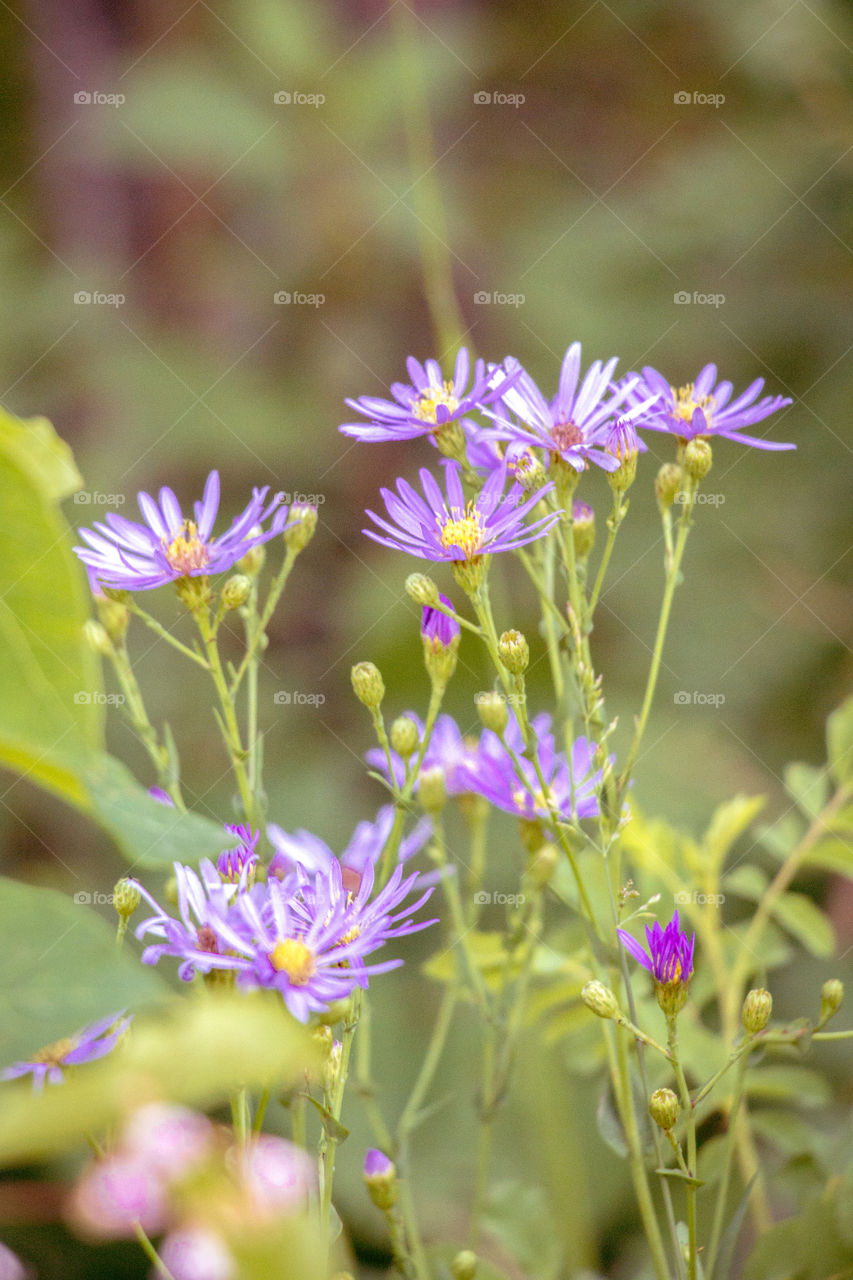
187,553
424,407
465,532
54,1055
293,957
542,799
686,403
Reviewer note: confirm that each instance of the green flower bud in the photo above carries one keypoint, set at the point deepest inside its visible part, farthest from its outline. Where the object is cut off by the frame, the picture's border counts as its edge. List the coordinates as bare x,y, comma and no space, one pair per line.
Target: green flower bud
380,1176
470,574
432,792
126,898
253,561
583,528
194,593
236,591
118,594
421,589
464,1265
663,1108
541,865
529,472
404,736
114,616
298,535
514,652
600,1000
367,684
757,1008
450,440
96,638
698,458
672,996
491,708
170,891
831,996
668,483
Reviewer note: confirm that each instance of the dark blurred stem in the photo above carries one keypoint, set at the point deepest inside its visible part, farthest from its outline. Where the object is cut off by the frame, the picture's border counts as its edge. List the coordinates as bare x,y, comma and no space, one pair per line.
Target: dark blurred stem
428,210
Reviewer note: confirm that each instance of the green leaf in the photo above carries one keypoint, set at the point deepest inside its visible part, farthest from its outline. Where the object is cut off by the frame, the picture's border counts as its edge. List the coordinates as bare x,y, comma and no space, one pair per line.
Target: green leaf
60,969
520,1218
833,854
747,881
805,922
50,680
839,742
333,1128
198,1054
729,821
808,787
780,837
789,1083
725,1257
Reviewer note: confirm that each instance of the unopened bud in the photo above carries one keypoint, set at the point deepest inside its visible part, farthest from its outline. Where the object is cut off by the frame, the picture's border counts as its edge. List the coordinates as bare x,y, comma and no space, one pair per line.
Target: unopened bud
119,594
301,525
663,1108
831,996
583,528
668,483
757,1008
253,561
170,891
514,652
491,708
126,898
528,471
114,615
404,736
698,458
380,1176
236,591
600,999
432,792
97,638
464,1265
194,593
421,589
368,684
542,865
672,996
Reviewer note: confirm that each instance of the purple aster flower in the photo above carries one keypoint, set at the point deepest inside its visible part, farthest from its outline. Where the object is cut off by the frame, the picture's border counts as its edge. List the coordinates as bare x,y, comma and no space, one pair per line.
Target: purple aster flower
376,1163
669,960
365,847
705,408
279,1175
94,1041
117,1195
231,863
571,426
437,629
130,556
455,530
448,750
427,404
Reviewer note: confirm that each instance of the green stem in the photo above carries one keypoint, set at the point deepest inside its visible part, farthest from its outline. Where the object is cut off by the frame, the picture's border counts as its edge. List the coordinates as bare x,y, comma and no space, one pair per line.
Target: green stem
614,521
229,726
260,628
161,631
138,717
687,1105
162,1271
728,1161
329,1141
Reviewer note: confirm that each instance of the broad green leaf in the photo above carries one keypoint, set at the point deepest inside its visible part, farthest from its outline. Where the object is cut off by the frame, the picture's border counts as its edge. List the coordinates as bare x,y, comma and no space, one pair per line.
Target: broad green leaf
792,1133
50,682
520,1218
806,922
806,1247
780,837
487,952
808,787
833,854
60,969
747,881
204,1049
779,1082
839,742
729,821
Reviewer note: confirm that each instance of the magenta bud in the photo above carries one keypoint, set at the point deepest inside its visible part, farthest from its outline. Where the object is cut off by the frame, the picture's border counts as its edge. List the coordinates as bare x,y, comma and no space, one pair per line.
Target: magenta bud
167,1139
116,1194
279,1175
194,1253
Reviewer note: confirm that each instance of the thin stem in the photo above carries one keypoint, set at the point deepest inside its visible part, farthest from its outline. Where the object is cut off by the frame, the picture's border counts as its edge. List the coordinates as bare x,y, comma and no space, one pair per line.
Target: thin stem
229,726
150,1252
687,1105
614,521
723,1189
260,628
138,717
161,631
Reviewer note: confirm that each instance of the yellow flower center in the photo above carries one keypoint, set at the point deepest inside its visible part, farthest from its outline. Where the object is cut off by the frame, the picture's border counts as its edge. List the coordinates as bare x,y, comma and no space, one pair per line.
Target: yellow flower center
187,553
424,407
542,799
293,957
466,532
54,1055
686,403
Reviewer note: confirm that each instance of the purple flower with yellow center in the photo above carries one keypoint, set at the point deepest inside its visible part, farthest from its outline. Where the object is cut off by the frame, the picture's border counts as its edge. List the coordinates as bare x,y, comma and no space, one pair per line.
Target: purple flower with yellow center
571,426
453,529
231,863
437,629
364,849
49,1063
194,938
427,404
705,408
167,547
669,960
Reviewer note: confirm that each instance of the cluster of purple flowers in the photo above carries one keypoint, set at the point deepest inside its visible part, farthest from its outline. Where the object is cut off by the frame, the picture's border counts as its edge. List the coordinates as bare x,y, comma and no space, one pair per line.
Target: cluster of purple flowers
306,931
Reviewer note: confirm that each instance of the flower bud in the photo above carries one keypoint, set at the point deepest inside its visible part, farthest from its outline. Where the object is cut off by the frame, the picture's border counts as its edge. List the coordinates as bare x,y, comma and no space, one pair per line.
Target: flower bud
600,1000
464,1265
126,897
367,684
757,1008
528,470
236,591
119,594
663,1108
831,996
380,1175
668,484
194,593
542,865
698,458
672,996
583,528
253,561
404,736
302,522
514,652
491,708
97,638
621,443
450,440
114,615
421,589
432,792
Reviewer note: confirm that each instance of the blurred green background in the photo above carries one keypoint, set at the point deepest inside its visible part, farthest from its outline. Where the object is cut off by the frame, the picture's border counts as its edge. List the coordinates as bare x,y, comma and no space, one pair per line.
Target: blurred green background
183,165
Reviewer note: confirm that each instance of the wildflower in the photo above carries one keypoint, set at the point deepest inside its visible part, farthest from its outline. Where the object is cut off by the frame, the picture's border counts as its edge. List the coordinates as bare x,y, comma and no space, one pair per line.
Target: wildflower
231,862
705,408
364,849
438,630
669,960
380,1176
203,902
168,547
279,1176
49,1063
196,1253
448,750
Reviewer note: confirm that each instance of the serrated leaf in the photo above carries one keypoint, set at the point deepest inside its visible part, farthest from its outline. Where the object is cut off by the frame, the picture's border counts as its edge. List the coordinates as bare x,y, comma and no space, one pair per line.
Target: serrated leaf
839,742
808,787
805,922
747,881
60,970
